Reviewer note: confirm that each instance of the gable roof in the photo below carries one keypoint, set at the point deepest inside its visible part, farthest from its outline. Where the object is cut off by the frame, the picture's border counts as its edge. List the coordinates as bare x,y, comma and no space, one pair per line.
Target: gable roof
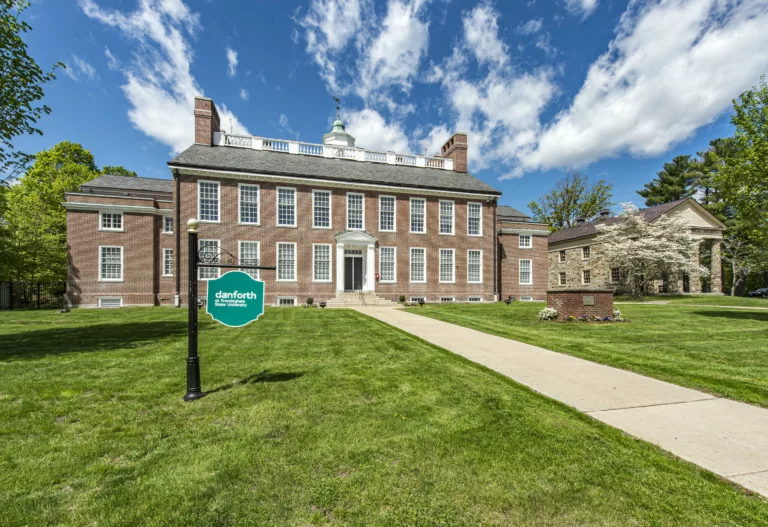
123,183
505,211
277,163
588,229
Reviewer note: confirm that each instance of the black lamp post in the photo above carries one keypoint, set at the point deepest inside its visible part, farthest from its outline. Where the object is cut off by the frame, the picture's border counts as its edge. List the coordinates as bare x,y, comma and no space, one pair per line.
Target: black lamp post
194,391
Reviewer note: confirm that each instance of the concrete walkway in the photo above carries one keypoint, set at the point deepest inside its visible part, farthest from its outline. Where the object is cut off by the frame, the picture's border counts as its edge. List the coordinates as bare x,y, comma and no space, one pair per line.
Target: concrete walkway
662,303
726,437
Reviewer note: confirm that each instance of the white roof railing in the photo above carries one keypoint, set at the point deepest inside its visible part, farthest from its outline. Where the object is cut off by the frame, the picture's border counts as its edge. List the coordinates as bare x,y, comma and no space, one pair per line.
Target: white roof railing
331,151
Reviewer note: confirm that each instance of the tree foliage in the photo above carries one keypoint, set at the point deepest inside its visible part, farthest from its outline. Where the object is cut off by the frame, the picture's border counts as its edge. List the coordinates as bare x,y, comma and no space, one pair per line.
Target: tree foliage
675,181
645,251
573,197
21,88
117,171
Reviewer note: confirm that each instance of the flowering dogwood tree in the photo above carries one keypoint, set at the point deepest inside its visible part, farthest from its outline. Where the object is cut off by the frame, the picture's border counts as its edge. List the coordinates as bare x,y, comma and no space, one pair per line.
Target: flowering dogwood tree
644,251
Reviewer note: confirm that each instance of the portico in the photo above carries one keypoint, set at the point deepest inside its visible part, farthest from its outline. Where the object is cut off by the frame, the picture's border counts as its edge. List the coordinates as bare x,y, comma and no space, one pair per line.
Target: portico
355,262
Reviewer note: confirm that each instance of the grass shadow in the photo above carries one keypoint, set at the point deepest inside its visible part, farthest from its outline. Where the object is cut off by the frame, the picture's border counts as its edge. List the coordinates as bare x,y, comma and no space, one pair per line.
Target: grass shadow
85,339
263,376
735,314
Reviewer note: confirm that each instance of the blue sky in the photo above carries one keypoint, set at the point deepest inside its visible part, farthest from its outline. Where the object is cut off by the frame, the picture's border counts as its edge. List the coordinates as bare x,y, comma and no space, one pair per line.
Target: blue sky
612,88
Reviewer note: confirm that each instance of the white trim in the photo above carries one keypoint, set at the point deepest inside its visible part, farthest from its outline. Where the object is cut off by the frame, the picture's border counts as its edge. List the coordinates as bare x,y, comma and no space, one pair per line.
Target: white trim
394,270
562,256
520,271
113,213
589,251
520,241
453,217
481,266
526,299
240,256
99,304
452,299
480,234
330,263
173,263
124,209
279,298
475,298
124,196
200,269
416,299
410,216
240,204
277,207
440,266
295,262
529,232
344,184
562,279
394,213
330,208
410,265
122,266
218,201
362,202
583,282
163,231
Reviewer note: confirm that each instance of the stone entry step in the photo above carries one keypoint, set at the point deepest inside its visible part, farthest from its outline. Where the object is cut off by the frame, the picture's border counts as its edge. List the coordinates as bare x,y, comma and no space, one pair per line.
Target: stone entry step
359,299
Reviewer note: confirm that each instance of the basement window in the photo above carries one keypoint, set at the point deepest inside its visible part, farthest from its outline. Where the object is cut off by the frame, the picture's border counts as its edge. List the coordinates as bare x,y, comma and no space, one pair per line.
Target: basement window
475,299
286,301
110,302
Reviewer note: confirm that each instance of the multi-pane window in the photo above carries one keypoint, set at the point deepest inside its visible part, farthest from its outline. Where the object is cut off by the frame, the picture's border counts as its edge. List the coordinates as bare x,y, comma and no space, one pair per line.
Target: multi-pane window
586,277
387,264
286,301
585,252
355,211
322,263
167,262
387,213
111,221
286,262
562,256
418,215
418,264
321,209
249,255
111,263
208,251
474,219
447,266
525,241
525,272
447,299
249,204
208,200
168,224
446,217
286,207
615,276
475,299
561,278
474,266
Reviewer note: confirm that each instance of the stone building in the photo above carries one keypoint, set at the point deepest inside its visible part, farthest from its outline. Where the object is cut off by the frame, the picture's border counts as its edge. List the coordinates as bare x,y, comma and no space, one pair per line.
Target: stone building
342,224
575,259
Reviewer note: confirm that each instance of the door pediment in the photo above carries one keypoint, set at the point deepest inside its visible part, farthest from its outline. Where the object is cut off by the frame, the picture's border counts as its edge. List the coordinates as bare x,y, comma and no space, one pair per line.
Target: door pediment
355,237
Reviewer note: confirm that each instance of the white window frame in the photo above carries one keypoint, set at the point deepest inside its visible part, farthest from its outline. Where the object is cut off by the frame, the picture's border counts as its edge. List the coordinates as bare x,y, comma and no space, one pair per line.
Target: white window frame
166,250
98,302
476,299
277,207
240,257
111,229
295,262
447,299
330,263
165,231
481,266
218,201
362,212
416,299
440,266
520,271
440,217
279,298
240,204
201,269
410,265
562,279
528,237
562,256
480,229
122,264
586,252
394,266
424,218
394,214
583,281
330,208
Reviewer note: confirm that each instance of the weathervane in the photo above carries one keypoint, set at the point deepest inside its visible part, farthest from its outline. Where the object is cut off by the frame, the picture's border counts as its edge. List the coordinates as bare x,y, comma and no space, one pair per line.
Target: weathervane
338,106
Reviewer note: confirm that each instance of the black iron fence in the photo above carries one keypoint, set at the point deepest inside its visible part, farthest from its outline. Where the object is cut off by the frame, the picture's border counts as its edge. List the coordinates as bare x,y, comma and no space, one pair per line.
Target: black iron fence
32,295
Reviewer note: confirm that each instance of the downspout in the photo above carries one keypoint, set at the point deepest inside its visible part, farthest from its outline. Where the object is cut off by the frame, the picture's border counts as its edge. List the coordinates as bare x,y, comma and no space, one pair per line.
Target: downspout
495,255
177,237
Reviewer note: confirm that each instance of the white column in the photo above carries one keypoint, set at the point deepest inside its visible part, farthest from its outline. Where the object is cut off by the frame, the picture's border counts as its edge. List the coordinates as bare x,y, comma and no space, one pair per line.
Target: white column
340,267
370,267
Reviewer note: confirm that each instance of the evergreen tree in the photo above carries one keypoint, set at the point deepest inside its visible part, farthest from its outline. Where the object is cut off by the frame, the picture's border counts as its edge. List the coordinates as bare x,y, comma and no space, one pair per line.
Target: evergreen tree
676,181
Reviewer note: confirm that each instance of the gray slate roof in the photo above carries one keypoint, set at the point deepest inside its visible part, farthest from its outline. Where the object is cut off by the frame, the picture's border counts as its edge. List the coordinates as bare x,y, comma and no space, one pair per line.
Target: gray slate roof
579,231
144,184
505,211
277,163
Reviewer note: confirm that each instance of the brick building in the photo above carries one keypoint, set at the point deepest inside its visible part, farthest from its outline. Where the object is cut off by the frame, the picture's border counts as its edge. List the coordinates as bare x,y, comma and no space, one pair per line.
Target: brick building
341,223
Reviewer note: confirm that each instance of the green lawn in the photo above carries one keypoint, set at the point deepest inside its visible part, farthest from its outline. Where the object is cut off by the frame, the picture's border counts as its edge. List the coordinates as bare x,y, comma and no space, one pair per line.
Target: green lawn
708,300
717,350
313,417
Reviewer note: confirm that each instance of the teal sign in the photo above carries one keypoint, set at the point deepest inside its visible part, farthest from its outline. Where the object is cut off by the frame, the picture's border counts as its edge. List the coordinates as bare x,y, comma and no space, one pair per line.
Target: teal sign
235,299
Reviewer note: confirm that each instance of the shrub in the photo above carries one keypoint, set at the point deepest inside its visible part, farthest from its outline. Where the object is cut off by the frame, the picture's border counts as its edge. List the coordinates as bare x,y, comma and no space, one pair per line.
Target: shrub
548,313
402,299
616,313
310,301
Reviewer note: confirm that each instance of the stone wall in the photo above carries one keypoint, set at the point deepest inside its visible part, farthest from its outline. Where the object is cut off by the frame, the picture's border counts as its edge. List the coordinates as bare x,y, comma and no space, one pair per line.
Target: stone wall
600,272
571,302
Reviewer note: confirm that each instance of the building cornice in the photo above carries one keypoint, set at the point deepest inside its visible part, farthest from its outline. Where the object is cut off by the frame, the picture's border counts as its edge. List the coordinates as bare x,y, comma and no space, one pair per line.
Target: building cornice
532,232
134,209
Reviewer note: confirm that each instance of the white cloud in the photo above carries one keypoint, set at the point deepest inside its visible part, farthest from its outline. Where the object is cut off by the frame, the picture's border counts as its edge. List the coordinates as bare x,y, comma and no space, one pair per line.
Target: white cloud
112,62
244,94
285,125
372,131
532,26
583,8
673,67
159,85
231,62
481,34
78,69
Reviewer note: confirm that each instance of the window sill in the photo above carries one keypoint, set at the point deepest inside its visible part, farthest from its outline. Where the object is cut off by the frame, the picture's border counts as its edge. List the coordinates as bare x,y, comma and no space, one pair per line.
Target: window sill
328,228
245,223
526,248
111,230
475,235
447,234
413,232
167,233
392,231
167,276
386,282
322,281
111,281
286,226
285,281
474,283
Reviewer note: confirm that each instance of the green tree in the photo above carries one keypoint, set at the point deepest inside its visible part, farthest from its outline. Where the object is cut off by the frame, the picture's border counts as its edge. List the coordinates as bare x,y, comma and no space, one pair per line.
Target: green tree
117,171
677,180
21,88
573,197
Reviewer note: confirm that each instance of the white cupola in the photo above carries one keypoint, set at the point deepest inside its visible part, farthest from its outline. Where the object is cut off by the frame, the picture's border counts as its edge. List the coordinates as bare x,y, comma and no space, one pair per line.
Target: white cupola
338,136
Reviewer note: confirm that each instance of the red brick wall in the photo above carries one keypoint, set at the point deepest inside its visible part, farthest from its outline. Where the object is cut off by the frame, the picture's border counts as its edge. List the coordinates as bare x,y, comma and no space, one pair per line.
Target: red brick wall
510,255
456,148
571,303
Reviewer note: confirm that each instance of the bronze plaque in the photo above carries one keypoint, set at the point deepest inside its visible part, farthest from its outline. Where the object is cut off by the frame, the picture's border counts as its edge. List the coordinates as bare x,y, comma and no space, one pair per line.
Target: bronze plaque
589,300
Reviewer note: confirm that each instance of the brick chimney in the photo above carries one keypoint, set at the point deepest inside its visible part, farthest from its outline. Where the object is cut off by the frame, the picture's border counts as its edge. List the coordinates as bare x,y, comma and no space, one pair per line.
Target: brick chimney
206,121
456,149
